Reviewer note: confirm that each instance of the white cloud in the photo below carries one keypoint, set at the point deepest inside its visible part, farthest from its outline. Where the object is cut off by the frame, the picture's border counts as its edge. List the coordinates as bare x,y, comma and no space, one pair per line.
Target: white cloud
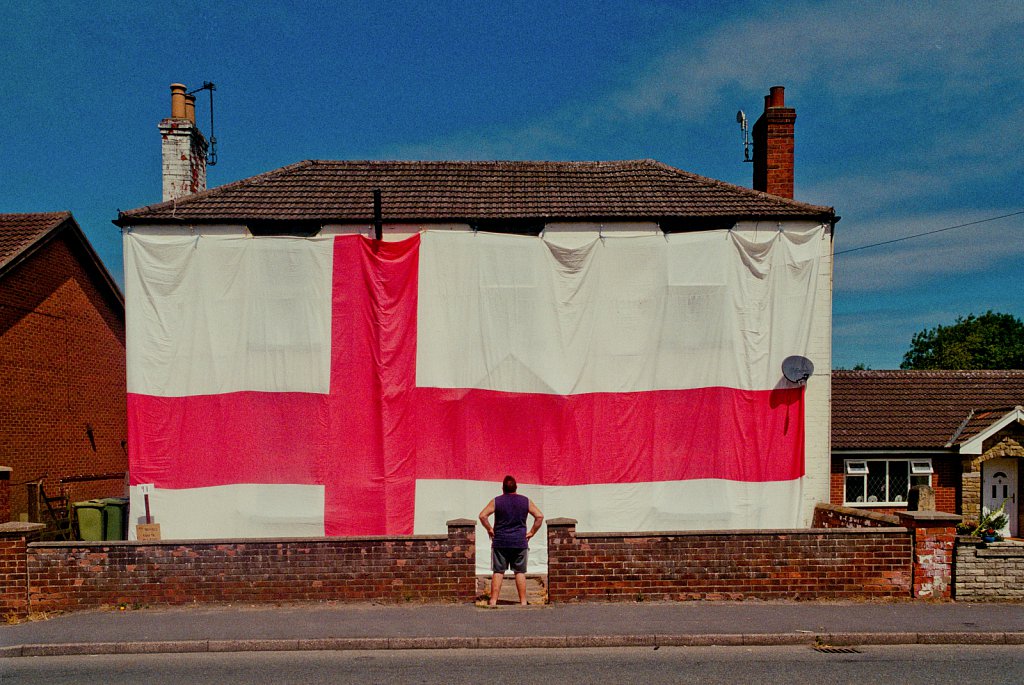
849,49
927,55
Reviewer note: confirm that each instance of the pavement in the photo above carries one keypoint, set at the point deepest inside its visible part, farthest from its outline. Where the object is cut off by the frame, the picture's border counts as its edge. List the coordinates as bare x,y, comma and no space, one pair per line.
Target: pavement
347,626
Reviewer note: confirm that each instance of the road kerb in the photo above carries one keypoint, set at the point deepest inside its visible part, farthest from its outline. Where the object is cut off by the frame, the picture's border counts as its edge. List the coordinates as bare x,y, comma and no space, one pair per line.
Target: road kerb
515,642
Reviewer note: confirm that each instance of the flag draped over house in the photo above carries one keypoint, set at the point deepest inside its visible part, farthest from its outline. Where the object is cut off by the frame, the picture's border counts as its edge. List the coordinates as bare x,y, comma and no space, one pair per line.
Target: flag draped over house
337,385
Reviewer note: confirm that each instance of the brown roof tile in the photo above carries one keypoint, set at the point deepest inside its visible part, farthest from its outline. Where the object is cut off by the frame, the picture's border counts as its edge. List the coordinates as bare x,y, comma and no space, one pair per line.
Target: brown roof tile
18,232
342,191
918,409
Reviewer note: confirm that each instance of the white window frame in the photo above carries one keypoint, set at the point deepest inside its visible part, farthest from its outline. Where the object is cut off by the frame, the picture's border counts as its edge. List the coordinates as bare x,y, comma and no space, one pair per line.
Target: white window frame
916,466
856,467
921,467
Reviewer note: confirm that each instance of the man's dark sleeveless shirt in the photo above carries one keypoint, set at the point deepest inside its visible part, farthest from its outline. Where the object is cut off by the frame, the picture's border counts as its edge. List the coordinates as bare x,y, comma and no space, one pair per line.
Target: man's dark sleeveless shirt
510,521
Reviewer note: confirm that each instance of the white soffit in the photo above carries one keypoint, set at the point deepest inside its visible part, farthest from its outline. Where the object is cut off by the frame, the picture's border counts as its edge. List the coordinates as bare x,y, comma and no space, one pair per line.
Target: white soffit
974,445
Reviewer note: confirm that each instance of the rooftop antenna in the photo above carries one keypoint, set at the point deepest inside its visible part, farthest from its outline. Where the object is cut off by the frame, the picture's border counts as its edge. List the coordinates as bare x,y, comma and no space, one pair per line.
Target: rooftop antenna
741,119
211,157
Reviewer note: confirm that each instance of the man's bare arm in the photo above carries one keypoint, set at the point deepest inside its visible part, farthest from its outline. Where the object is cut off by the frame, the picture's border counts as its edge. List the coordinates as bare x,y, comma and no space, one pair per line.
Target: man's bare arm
485,515
538,519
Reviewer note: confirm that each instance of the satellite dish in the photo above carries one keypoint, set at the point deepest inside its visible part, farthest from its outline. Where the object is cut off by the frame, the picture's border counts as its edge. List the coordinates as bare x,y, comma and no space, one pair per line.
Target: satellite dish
797,369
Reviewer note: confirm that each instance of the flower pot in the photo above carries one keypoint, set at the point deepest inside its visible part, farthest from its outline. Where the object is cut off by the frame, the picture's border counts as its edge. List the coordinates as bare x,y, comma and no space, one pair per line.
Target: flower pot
988,538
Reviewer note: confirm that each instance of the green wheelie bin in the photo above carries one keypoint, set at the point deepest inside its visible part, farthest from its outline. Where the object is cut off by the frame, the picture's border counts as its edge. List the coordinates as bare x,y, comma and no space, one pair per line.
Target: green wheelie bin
90,519
116,518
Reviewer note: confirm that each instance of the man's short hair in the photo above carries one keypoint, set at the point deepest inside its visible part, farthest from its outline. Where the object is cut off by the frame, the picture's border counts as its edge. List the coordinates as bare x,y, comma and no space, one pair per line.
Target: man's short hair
508,485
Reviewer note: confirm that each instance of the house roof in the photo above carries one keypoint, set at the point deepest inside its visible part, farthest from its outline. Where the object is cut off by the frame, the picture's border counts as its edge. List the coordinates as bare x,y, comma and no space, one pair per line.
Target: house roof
21,235
919,409
19,232
342,191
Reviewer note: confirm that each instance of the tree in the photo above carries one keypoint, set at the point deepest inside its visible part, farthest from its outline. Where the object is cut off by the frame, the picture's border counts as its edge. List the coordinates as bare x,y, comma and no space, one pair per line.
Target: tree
989,341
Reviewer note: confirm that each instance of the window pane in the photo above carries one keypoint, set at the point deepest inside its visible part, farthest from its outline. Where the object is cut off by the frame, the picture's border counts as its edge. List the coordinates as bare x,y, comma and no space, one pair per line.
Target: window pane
921,466
919,480
899,481
855,488
876,481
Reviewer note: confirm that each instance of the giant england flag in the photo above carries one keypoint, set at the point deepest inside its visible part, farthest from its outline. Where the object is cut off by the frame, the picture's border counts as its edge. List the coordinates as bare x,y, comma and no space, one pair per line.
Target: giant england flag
337,385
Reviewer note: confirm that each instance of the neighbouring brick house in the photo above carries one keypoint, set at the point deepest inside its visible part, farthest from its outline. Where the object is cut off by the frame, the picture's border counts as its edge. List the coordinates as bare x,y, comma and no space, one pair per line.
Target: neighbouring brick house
62,360
962,432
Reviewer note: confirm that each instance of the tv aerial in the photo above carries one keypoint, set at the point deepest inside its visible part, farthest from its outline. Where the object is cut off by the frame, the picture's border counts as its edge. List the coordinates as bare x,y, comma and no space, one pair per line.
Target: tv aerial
211,158
797,369
741,119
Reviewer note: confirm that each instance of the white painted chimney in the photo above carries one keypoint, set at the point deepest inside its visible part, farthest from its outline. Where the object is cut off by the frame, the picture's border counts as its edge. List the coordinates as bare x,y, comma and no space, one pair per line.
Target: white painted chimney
184,147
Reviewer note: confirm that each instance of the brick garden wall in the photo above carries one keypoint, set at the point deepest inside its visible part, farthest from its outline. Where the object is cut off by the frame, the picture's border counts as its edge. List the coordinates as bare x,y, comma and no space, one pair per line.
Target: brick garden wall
72,576
62,367
790,564
990,572
834,516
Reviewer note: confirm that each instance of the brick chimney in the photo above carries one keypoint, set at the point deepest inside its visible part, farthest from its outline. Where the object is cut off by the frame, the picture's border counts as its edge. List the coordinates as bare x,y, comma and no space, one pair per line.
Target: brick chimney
773,145
184,147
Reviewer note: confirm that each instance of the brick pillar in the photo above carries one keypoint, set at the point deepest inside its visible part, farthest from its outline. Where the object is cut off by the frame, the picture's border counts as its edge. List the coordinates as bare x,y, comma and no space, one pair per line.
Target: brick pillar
462,553
14,539
934,537
563,551
5,493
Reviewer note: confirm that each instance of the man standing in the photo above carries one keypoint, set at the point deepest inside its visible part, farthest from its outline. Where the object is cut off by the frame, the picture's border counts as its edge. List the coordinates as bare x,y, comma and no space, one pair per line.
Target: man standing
509,538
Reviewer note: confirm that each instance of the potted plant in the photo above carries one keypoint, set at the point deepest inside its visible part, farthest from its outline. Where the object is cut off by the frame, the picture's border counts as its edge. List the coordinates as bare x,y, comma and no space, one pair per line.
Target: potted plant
991,523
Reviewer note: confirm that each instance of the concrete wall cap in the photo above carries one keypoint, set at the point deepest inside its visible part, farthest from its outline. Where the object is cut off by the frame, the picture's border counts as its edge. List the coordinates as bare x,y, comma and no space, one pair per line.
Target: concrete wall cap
15,528
460,522
925,518
561,522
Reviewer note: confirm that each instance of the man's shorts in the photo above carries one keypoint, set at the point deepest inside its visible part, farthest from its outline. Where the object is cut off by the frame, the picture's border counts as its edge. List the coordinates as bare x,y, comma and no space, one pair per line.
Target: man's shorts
503,557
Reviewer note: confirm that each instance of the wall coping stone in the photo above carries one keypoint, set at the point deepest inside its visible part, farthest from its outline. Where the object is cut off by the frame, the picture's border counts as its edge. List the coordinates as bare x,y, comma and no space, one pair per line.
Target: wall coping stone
238,541
460,523
17,529
929,519
859,512
749,532
558,522
995,549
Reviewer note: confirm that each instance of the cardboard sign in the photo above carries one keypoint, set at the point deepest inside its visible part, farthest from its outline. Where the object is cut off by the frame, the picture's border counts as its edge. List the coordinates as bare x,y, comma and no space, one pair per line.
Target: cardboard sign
147,531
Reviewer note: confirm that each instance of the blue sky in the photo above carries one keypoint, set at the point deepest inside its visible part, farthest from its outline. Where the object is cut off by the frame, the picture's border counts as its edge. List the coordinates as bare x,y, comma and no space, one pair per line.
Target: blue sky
909,115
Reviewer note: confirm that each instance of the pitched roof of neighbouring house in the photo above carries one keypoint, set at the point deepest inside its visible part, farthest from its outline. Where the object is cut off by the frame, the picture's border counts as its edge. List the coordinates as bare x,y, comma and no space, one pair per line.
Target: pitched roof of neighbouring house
919,409
342,191
22,234
19,232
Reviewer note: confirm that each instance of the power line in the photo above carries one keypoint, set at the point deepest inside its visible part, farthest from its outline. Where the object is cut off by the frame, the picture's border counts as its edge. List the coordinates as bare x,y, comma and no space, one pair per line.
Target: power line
919,235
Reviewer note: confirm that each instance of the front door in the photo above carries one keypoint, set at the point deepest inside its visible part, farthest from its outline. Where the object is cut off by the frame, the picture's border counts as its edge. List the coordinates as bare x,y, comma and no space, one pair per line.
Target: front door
998,485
